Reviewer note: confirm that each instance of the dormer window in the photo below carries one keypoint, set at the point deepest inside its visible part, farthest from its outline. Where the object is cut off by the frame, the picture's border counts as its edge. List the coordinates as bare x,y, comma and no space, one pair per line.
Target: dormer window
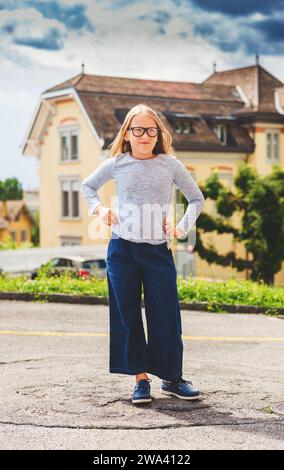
182,123
183,127
221,132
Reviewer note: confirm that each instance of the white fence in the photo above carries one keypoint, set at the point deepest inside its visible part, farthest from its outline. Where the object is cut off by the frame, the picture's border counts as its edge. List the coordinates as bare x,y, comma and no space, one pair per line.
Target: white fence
24,261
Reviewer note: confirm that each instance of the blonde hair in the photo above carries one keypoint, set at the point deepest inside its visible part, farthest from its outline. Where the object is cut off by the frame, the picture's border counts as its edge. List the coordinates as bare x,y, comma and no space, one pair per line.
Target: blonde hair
163,144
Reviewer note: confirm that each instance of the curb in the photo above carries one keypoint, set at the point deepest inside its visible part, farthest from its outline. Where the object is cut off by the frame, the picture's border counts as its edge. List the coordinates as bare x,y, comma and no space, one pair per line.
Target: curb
89,300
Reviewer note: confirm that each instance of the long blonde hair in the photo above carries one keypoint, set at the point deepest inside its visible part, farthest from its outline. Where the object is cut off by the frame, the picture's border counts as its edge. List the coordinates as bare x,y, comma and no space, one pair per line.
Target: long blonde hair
163,144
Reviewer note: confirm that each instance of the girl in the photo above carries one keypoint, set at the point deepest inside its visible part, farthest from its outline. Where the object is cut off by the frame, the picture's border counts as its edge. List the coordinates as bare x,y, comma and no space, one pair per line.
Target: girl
138,253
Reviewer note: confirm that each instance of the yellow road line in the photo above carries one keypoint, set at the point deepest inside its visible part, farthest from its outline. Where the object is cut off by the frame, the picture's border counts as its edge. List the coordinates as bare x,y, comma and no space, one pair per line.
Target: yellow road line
191,338
48,333
233,338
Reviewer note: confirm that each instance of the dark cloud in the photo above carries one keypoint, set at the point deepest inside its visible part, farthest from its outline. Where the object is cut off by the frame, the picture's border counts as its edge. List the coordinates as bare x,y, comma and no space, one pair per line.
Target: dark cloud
263,36
239,7
210,32
205,29
183,34
272,29
8,28
179,3
51,40
159,16
118,4
235,31
73,16
161,31
269,39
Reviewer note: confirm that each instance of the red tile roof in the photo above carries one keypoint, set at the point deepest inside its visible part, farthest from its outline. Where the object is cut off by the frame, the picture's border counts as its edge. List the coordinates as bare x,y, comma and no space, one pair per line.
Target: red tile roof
256,82
13,209
102,112
106,99
151,88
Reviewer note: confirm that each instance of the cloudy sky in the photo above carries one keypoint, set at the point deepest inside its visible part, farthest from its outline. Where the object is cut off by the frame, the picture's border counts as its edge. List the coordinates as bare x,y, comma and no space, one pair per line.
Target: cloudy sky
43,42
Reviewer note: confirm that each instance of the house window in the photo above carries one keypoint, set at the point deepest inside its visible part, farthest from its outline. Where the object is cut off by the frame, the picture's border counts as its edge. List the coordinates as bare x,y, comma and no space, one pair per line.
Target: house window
70,197
13,234
272,146
64,147
75,198
69,143
23,235
183,127
221,132
70,241
74,146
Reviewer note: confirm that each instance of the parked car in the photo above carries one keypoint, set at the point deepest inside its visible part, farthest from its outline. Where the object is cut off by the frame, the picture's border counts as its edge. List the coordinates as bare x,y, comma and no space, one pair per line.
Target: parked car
74,265
93,267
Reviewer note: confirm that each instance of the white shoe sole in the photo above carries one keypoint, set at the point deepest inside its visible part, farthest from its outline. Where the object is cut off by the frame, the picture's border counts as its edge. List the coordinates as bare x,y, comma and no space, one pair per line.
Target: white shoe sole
142,400
180,396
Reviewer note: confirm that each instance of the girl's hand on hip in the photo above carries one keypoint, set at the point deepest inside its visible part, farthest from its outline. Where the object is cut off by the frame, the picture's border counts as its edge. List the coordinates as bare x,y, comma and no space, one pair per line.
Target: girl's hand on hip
107,216
172,231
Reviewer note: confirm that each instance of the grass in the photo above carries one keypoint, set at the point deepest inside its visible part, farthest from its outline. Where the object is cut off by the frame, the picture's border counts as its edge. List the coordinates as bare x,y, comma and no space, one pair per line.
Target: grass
232,292
55,285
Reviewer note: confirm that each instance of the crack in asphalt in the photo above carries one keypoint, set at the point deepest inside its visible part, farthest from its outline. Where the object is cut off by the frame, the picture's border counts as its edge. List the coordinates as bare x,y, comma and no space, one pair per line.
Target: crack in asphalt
166,426
20,361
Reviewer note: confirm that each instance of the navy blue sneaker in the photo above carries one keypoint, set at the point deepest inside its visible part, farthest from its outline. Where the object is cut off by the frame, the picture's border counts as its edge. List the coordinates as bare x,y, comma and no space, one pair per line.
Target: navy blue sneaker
180,388
141,393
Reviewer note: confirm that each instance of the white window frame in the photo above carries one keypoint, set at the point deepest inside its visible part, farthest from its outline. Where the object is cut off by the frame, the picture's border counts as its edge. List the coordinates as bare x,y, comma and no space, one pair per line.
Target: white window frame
178,127
183,127
272,154
186,127
218,131
71,240
68,131
68,181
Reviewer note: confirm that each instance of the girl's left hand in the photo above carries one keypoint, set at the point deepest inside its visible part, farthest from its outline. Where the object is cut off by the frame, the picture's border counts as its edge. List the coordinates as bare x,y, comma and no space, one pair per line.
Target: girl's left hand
172,231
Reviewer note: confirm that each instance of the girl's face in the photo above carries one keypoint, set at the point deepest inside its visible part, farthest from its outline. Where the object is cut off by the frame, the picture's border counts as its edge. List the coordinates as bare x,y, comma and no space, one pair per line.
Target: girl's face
142,145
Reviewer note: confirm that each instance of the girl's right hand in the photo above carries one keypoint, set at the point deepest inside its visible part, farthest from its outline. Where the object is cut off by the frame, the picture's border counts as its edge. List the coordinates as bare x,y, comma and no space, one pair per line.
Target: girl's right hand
107,216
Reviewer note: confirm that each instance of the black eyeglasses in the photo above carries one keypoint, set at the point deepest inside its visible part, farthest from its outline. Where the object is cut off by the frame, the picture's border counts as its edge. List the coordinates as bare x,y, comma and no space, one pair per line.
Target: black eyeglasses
139,131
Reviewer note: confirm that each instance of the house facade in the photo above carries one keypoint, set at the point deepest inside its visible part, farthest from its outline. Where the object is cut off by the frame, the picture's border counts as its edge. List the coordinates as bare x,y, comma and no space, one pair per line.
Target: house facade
232,117
16,221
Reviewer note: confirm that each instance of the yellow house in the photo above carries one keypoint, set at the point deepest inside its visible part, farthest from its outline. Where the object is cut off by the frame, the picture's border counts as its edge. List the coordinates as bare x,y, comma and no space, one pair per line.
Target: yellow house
232,117
15,221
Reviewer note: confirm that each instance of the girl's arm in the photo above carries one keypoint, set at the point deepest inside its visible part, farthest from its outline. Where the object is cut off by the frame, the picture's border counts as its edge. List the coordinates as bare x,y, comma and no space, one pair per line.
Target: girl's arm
187,185
90,185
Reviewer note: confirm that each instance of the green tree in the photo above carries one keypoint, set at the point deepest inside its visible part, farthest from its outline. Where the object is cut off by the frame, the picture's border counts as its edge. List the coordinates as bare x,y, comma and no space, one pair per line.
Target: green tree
11,190
260,202
35,229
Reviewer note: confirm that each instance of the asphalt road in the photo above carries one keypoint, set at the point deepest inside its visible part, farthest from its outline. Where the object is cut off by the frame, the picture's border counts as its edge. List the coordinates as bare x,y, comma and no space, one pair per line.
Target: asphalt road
57,392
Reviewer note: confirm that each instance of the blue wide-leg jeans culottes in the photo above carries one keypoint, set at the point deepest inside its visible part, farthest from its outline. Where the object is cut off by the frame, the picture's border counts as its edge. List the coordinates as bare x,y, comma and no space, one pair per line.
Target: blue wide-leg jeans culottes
129,266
